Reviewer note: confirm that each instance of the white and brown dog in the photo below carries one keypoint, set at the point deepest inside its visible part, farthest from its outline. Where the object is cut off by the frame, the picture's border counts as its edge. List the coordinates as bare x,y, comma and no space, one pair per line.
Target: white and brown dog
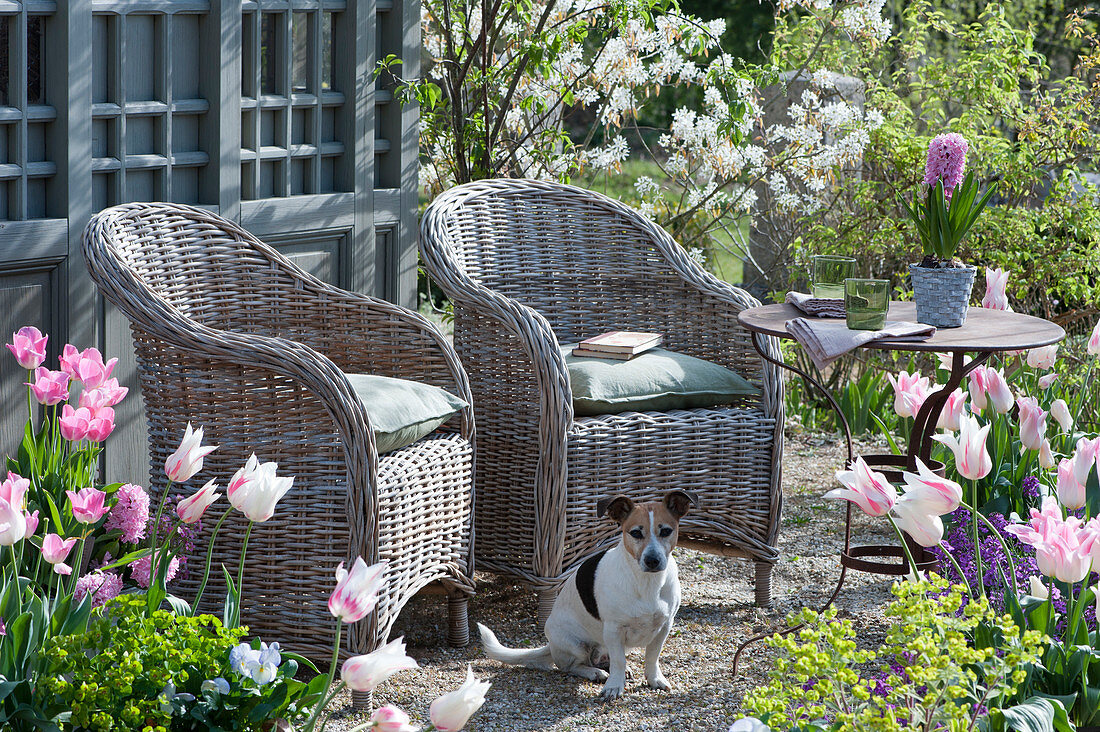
625,597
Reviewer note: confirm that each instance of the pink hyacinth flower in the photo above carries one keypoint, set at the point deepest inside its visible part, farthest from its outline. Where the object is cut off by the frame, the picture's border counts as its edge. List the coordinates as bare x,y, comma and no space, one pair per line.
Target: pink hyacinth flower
130,514
49,387
996,284
28,345
946,161
89,505
1033,423
866,488
356,591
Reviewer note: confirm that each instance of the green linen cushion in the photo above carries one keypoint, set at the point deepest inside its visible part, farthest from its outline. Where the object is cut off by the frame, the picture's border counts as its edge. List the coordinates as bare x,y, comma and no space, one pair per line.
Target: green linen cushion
656,380
400,411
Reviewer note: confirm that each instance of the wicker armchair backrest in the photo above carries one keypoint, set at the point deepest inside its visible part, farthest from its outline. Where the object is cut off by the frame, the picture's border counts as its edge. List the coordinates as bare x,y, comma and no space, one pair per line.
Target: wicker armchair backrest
207,269
585,262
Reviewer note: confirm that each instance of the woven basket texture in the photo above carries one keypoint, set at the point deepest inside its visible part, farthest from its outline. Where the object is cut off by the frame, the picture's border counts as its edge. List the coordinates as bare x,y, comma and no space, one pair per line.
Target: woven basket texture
942,296
231,336
530,264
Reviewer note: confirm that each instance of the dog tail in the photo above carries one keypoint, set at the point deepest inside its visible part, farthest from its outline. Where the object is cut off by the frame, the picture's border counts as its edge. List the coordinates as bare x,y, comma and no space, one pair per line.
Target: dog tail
539,658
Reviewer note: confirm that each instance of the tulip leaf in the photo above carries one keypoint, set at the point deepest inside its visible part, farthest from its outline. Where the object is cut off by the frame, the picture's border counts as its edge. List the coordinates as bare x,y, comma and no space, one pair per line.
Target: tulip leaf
1034,715
301,660
231,610
179,605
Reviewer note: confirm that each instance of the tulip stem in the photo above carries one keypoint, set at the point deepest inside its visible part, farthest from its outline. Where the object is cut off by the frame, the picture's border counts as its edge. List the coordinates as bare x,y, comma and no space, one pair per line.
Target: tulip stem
958,569
209,557
160,510
240,575
332,695
331,674
977,541
1004,548
904,547
79,562
15,581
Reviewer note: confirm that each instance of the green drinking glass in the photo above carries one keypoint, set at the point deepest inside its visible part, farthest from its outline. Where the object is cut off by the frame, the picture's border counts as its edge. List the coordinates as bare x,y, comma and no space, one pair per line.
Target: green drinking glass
829,273
866,302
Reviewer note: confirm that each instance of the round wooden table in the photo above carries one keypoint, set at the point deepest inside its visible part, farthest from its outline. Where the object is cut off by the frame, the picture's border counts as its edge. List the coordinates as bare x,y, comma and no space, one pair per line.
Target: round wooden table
984,333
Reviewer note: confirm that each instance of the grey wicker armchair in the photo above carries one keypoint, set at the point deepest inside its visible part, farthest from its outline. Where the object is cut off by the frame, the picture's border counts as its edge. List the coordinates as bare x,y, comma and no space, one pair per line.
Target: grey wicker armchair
232,336
529,265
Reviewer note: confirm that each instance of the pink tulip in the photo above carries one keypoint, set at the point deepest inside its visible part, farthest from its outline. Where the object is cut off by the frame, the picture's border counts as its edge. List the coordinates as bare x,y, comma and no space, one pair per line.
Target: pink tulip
910,390
1063,548
935,495
28,345
1086,456
86,366
1093,346
1060,411
101,425
1043,358
945,360
1046,380
389,719
74,422
107,394
972,459
1046,457
953,410
14,489
450,712
364,673
55,550
996,282
256,488
1033,423
988,385
1071,492
192,508
88,505
356,592
32,522
187,459
13,524
49,387
866,488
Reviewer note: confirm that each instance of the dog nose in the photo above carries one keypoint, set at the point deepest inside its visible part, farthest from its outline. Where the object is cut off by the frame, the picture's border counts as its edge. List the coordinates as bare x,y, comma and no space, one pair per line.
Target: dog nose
652,563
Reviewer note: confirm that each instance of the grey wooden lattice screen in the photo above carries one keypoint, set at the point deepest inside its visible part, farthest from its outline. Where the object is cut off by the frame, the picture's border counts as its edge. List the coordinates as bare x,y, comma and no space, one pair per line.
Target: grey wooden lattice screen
263,110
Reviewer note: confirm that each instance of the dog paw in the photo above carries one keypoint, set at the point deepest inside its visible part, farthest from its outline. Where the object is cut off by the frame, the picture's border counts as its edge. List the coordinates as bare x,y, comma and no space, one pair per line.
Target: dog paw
598,675
610,693
660,683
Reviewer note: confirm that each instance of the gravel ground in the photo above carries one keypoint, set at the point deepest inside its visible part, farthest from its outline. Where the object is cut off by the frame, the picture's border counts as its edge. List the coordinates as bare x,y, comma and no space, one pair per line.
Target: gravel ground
716,615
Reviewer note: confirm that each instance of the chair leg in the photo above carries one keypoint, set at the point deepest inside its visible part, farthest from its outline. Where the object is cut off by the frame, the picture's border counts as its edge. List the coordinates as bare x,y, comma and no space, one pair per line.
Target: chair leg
362,701
764,584
546,604
458,620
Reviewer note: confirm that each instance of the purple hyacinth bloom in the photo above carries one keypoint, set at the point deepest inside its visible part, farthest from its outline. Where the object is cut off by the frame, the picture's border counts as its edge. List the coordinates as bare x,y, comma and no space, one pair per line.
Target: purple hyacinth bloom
946,161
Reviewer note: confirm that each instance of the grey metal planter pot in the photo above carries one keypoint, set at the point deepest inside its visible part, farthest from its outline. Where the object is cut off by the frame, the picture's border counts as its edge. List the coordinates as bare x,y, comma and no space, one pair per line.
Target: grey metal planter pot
942,295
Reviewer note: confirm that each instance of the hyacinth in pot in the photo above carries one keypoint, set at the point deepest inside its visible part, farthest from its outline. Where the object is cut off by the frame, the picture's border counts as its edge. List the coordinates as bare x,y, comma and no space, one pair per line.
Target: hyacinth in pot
942,283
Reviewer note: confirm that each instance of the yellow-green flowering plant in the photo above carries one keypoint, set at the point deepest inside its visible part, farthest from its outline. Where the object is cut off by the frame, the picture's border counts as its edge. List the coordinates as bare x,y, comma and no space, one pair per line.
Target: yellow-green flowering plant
948,662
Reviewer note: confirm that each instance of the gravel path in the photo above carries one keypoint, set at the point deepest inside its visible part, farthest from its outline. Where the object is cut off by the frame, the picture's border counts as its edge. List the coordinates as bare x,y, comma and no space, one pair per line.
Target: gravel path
717,614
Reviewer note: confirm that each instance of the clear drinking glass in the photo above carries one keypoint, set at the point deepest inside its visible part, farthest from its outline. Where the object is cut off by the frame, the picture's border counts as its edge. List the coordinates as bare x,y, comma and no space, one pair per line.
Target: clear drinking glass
866,302
829,273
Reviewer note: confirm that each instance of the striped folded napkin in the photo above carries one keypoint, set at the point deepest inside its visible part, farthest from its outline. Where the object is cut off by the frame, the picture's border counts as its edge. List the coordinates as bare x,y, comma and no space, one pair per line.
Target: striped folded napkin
828,340
819,306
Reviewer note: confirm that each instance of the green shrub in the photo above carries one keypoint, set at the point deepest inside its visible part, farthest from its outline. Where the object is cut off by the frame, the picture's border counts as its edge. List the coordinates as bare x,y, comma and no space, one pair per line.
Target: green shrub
132,672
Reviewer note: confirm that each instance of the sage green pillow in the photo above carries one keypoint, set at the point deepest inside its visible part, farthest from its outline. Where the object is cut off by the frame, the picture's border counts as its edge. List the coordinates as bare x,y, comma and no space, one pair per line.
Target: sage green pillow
655,381
400,411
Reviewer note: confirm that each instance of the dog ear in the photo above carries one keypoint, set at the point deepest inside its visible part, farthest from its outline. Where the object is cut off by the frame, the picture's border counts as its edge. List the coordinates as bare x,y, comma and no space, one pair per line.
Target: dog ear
617,507
678,502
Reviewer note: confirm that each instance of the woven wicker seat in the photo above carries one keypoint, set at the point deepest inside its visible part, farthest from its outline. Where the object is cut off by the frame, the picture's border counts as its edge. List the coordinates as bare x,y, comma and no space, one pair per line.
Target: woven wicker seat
529,265
233,337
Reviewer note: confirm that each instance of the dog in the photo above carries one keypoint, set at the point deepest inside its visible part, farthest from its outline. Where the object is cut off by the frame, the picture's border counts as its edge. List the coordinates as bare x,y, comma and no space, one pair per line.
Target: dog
622,598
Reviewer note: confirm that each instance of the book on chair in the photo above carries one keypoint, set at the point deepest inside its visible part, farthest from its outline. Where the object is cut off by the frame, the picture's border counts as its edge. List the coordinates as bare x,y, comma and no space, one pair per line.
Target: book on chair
621,345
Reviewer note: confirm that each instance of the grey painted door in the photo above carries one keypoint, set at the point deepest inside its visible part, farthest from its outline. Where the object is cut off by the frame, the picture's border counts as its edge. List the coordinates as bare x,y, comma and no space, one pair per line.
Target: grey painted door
265,111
